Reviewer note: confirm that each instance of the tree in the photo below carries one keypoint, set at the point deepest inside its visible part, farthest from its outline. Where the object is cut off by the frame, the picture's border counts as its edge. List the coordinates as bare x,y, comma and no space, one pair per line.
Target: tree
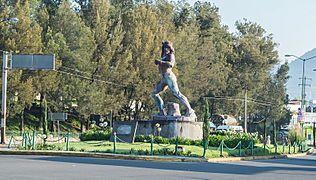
141,41
44,116
77,45
274,94
24,38
213,48
252,60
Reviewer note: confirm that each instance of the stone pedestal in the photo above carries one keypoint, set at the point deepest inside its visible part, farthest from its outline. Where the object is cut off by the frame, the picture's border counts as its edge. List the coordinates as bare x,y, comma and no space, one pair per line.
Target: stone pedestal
126,130
171,128
171,125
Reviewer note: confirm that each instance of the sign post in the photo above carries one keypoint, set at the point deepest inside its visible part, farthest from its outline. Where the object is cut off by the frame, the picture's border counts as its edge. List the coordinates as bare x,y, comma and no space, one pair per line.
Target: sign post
23,61
57,117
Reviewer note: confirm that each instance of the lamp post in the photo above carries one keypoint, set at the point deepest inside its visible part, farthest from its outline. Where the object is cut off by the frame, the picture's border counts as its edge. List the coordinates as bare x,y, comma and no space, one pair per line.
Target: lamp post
303,84
4,86
314,128
303,78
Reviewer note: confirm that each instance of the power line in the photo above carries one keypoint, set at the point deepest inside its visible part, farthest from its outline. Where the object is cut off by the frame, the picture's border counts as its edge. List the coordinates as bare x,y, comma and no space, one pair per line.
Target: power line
90,79
242,99
76,70
239,99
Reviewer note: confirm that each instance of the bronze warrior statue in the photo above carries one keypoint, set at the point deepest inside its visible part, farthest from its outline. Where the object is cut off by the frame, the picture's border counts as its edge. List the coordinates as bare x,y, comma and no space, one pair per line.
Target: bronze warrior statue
168,79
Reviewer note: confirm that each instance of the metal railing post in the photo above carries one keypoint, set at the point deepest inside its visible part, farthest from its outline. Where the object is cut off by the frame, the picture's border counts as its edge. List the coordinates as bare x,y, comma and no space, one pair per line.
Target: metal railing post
34,140
152,145
239,148
114,143
177,145
67,141
221,148
252,148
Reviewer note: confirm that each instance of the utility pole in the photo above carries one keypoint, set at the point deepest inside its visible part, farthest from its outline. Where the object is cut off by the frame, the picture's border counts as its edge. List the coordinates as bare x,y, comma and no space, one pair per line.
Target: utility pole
245,126
303,95
4,96
314,134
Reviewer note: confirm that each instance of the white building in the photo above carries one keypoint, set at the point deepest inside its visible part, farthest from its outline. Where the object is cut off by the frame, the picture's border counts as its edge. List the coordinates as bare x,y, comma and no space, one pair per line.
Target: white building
308,117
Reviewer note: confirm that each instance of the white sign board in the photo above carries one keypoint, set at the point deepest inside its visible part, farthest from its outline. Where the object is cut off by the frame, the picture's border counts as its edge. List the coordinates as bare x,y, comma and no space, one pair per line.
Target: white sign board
33,61
57,116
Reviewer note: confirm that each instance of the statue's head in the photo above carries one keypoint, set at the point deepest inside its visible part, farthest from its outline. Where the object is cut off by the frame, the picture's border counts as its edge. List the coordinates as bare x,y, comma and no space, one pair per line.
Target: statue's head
167,45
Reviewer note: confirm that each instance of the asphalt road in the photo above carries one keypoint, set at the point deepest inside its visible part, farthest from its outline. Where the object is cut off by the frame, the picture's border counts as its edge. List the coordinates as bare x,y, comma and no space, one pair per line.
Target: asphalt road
76,168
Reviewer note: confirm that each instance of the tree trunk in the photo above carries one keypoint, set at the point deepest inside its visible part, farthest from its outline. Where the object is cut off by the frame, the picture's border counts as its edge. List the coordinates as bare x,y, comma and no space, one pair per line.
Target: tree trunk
44,115
87,122
82,128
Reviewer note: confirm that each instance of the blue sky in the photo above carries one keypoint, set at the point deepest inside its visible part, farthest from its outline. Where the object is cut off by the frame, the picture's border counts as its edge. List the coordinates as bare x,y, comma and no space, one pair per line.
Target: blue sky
292,22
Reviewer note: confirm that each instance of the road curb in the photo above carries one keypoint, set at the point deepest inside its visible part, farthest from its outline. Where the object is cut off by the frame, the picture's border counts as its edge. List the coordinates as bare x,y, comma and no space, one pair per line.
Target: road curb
250,158
103,155
148,158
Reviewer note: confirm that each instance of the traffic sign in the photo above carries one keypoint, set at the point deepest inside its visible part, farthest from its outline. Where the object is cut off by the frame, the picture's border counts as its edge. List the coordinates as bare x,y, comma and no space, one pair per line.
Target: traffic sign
33,61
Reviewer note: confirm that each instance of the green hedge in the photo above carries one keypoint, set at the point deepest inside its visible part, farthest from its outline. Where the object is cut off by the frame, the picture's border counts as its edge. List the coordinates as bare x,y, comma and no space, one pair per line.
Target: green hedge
162,140
231,139
96,135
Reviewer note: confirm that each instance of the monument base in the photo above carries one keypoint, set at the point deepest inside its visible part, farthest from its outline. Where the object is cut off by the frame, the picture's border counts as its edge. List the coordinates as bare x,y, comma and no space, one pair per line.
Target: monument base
171,125
171,128
126,130
173,118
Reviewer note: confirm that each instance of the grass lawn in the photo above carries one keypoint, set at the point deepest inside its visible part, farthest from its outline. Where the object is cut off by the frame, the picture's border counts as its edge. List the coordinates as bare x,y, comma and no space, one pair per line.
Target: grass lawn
160,149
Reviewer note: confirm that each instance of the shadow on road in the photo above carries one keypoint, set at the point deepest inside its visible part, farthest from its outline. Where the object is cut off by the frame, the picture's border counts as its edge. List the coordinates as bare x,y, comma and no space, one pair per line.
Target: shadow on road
224,168
294,161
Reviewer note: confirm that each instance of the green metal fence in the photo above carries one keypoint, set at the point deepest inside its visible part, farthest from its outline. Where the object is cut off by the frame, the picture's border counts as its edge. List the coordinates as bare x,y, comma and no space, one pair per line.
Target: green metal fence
29,141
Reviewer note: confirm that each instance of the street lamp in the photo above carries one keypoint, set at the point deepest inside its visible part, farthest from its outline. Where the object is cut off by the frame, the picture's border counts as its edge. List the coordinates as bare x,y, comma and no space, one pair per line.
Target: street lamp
303,77
303,83
4,85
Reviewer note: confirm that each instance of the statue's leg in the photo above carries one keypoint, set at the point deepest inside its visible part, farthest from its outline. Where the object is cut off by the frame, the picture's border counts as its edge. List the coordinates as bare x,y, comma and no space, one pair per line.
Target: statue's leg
173,85
159,87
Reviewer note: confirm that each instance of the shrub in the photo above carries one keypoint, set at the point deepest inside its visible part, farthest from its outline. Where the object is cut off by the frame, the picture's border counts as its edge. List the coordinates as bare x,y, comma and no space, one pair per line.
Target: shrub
162,140
231,139
46,147
181,141
296,135
142,138
198,143
95,135
132,151
164,151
